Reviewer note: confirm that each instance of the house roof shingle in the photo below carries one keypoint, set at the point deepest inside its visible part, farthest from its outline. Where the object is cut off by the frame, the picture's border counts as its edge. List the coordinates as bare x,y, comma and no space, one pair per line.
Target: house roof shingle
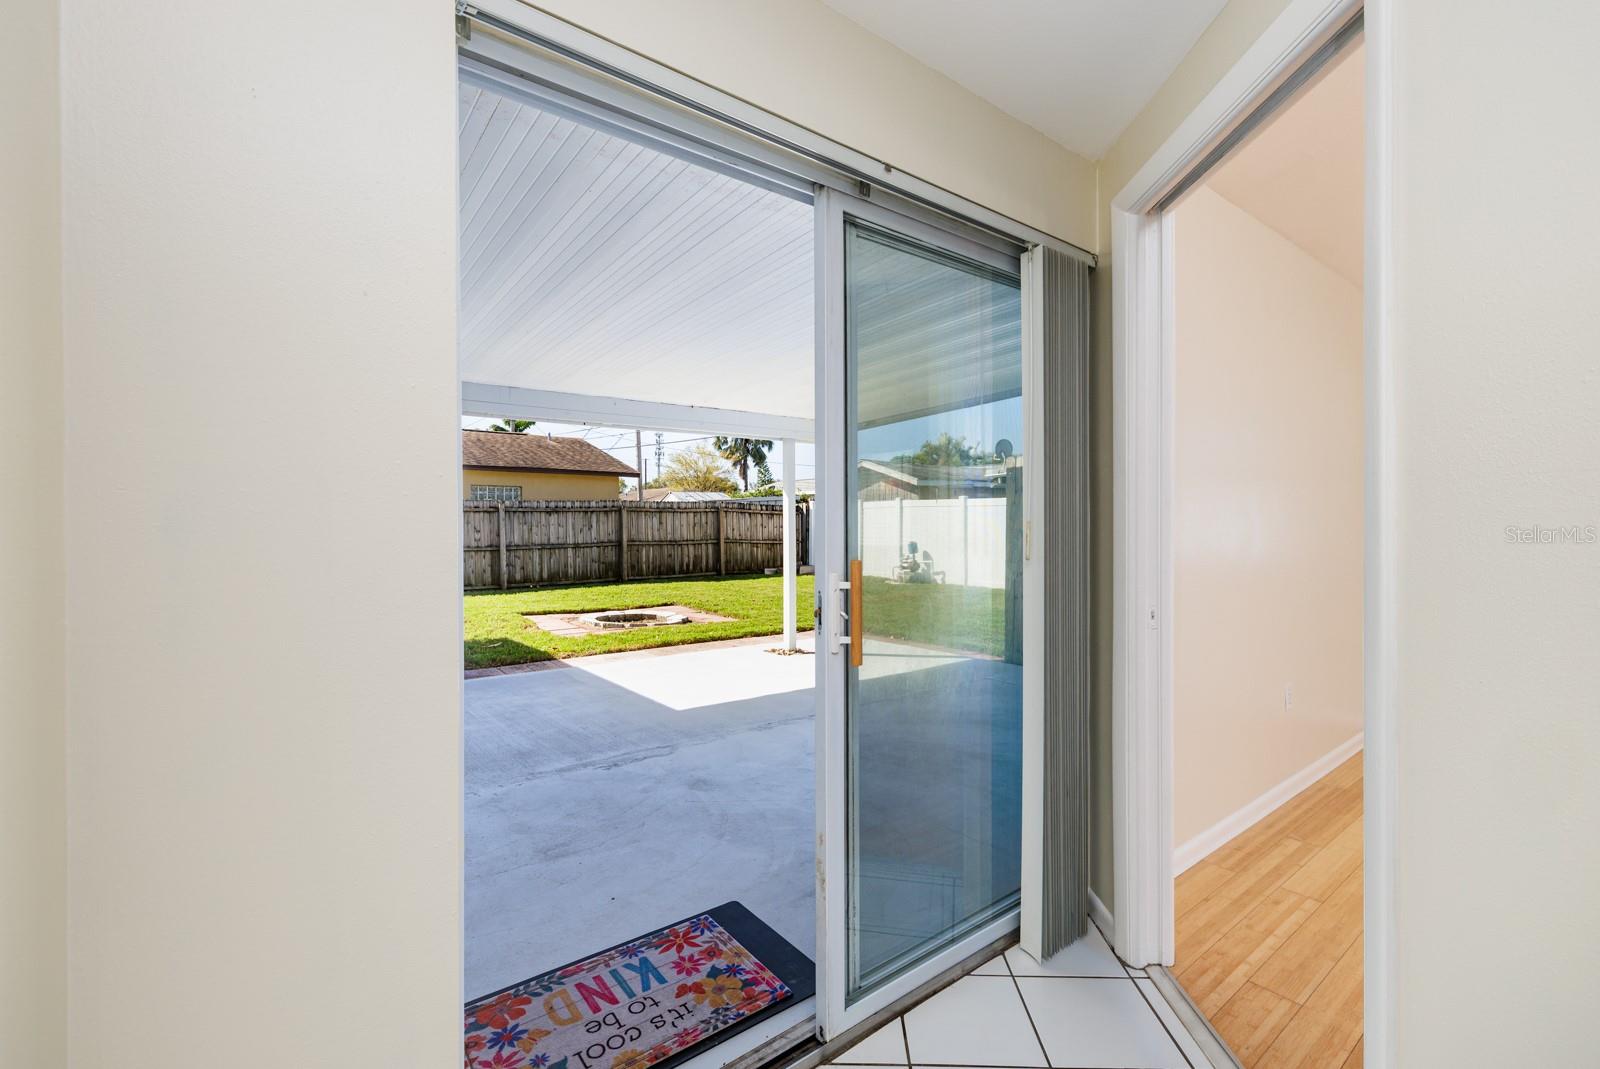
538,452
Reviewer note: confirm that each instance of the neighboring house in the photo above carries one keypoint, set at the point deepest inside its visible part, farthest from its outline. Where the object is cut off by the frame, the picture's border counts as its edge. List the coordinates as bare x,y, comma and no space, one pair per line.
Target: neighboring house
501,466
664,493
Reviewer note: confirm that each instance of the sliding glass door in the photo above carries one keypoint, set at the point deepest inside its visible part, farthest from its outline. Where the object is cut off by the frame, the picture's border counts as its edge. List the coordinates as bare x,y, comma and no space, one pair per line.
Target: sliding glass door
922,637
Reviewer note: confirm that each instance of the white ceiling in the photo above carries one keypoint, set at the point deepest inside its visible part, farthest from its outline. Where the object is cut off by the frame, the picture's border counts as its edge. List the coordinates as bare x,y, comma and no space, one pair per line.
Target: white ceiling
1303,173
595,261
1078,71
593,264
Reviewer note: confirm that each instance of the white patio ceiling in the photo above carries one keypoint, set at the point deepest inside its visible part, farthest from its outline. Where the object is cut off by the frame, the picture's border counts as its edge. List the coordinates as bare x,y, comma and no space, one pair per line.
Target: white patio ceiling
613,275
594,266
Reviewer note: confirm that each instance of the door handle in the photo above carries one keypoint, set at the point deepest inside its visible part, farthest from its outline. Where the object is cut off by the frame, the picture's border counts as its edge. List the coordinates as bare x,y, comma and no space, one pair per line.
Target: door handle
857,630
847,612
840,610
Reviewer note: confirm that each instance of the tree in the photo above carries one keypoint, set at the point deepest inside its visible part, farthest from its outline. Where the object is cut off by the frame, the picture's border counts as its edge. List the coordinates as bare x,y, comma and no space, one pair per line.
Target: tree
512,426
743,452
946,451
697,468
764,476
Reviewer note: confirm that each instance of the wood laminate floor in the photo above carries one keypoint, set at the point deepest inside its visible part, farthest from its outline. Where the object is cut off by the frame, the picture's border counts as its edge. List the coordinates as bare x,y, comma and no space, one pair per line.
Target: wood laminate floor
1269,931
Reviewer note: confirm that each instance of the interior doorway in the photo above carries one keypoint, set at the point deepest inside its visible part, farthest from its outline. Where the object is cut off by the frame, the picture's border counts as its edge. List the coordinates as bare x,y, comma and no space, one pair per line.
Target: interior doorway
1267,534
1256,253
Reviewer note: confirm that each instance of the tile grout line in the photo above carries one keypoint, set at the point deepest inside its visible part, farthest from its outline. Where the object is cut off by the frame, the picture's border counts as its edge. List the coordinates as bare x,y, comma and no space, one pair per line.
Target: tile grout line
1027,1011
1075,976
1170,1037
1124,966
1145,975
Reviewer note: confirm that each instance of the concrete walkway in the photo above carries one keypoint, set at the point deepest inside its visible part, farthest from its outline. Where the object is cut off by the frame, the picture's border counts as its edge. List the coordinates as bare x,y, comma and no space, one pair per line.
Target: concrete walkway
614,794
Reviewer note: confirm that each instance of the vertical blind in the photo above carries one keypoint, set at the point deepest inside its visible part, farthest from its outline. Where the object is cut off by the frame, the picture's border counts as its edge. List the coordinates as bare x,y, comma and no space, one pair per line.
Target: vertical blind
1064,339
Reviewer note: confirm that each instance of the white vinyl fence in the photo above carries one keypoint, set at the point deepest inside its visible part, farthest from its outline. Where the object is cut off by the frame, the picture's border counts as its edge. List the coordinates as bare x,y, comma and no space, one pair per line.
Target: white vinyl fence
966,537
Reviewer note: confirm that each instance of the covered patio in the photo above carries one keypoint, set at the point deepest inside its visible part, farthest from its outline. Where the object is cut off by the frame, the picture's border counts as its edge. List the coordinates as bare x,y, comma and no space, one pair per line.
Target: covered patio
614,274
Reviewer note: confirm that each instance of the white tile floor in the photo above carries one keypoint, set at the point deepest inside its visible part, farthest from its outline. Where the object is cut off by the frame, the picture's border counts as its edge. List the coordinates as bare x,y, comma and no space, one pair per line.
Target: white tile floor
1080,1010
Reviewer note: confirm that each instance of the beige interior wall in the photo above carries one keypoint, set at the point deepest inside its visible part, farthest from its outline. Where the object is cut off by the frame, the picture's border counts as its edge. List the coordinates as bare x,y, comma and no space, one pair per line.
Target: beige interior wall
1233,31
264,656
543,486
32,715
1267,511
809,64
1496,417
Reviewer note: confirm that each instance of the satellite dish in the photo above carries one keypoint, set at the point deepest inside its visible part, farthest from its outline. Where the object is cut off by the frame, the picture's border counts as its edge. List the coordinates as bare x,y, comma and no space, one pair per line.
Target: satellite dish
1003,449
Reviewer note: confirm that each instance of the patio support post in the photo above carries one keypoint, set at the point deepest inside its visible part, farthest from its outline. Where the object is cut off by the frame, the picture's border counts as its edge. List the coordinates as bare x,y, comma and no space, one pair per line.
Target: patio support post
789,589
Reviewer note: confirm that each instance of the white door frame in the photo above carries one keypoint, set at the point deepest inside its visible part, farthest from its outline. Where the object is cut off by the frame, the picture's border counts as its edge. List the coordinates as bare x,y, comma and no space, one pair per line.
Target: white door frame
1142,496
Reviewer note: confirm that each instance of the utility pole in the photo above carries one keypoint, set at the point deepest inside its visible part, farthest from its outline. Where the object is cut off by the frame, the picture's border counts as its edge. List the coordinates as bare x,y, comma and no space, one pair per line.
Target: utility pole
638,460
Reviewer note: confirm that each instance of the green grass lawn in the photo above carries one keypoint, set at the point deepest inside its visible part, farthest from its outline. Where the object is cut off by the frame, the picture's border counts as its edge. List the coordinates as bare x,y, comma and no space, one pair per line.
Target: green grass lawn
969,618
949,617
497,634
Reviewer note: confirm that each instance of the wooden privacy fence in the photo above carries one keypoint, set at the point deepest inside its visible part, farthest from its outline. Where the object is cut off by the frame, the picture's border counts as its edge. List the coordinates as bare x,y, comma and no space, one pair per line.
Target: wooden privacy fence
539,543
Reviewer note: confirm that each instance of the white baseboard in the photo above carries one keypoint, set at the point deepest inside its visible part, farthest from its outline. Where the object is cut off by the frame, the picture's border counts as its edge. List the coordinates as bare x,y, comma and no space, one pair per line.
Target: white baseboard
1215,837
1101,917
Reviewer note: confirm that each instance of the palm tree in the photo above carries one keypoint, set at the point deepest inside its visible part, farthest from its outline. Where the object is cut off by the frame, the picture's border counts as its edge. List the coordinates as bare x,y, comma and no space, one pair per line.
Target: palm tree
512,426
743,452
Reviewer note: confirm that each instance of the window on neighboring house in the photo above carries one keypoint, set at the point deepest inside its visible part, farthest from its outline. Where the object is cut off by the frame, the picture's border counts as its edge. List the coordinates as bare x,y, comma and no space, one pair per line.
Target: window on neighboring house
496,493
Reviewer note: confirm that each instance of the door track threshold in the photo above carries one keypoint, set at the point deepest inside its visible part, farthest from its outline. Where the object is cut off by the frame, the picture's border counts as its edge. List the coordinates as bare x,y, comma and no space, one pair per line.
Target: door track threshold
1212,1045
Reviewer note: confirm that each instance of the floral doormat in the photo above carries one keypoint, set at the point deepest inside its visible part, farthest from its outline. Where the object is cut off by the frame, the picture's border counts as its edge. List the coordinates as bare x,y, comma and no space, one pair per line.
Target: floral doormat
663,996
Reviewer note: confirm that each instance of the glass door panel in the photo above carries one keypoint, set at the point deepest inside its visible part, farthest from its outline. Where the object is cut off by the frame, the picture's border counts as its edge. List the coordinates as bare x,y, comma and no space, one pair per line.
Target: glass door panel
933,532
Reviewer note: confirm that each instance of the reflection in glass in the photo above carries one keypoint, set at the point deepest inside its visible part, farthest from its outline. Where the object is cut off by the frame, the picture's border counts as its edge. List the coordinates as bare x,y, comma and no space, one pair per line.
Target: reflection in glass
934,714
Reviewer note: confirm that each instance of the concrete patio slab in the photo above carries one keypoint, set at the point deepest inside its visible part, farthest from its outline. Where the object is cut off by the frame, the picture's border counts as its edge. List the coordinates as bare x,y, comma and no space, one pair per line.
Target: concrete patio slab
609,795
